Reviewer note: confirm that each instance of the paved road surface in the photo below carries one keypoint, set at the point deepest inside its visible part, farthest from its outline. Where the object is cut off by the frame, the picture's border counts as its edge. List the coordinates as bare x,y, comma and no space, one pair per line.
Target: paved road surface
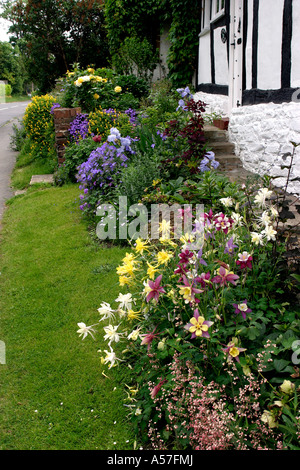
10,113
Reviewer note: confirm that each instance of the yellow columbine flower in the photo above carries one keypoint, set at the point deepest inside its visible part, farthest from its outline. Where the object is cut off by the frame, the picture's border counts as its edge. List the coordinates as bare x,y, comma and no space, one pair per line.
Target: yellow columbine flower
140,245
151,270
132,315
124,281
127,268
186,292
163,257
128,258
118,89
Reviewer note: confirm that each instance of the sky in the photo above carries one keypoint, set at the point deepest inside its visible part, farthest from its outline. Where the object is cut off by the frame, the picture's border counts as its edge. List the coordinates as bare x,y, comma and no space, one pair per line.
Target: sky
4,25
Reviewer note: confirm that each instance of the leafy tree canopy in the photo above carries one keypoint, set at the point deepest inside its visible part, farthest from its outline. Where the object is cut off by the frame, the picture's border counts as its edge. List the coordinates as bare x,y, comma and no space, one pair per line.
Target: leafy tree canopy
54,34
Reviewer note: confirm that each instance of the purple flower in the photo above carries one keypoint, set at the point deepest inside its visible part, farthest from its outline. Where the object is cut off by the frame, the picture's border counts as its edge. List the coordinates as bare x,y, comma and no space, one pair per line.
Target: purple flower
208,162
79,127
230,246
155,289
242,308
54,106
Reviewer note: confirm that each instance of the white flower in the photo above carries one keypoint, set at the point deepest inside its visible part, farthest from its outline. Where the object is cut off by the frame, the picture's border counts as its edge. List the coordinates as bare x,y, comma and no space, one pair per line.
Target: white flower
238,218
106,311
274,211
125,301
257,238
111,333
269,233
265,219
262,195
85,330
86,78
227,201
110,357
134,335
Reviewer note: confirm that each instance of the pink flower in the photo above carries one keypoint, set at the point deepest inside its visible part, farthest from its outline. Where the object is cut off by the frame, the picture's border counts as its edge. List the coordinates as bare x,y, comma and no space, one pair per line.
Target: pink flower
203,279
155,289
148,338
157,388
224,276
244,260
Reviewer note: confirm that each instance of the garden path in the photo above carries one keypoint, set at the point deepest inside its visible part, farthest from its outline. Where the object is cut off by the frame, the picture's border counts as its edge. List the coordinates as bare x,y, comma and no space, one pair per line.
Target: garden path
9,115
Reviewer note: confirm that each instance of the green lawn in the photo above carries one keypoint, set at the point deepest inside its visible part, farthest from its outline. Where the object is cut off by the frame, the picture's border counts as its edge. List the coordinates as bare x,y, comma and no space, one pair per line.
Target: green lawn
53,395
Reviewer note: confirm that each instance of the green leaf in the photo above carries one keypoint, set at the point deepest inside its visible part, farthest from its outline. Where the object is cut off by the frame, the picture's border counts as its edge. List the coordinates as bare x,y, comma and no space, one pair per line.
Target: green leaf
280,364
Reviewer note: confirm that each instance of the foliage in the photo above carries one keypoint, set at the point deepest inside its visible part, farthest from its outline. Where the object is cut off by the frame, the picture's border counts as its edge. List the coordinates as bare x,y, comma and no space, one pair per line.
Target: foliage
38,124
214,296
136,56
93,89
146,19
75,154
12,68
68,32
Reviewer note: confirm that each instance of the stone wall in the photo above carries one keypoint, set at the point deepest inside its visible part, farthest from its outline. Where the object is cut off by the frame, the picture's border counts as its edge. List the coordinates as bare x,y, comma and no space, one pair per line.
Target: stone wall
262,134
62,119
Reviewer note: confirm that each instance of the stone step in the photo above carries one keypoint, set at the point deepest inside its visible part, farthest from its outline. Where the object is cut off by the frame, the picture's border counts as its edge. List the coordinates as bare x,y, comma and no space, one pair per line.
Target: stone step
214,134
222,147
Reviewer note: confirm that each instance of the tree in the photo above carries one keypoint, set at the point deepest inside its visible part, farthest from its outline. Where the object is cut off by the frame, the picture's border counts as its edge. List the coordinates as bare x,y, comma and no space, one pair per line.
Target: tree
12,67
57,33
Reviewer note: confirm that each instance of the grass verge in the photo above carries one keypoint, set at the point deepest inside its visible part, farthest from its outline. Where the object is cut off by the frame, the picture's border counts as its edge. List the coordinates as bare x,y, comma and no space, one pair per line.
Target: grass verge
53,395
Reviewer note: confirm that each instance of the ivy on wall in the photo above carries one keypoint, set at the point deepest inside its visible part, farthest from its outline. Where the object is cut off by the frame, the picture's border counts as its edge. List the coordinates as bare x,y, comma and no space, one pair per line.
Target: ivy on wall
146,18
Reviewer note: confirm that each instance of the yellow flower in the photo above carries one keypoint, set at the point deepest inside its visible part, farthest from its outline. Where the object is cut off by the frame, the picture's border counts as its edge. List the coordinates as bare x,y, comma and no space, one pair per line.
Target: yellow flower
124,281
163,257
118,89
132,315
96,96
140,245
186,291
90,70
151,270
287,387
127,268
269,419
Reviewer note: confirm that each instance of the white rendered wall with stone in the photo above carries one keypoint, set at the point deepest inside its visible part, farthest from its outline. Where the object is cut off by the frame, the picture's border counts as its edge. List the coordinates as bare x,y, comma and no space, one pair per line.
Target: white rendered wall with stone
262,134
217,104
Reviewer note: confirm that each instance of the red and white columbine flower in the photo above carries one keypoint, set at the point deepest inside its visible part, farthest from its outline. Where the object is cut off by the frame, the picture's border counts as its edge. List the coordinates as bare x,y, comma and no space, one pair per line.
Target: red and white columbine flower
245,260
222,222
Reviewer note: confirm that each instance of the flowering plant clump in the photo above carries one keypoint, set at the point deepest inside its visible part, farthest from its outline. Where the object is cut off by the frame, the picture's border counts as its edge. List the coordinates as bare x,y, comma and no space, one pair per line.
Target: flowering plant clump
79,128
92,88
100,174
208,297
38,122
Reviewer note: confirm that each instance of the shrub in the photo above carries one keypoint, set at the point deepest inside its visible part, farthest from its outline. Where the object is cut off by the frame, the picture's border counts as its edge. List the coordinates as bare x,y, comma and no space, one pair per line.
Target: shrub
38,124
8,90
75,154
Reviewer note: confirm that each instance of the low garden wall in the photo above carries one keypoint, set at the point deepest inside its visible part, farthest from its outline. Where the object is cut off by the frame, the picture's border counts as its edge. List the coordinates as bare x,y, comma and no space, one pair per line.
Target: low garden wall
62,119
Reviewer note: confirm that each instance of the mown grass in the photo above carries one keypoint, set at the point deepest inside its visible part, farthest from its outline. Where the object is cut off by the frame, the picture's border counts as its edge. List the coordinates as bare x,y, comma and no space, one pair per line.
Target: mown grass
53,394
28,164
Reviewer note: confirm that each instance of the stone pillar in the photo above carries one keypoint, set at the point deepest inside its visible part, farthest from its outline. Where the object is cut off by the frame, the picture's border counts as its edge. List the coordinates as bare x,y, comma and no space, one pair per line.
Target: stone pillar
62,119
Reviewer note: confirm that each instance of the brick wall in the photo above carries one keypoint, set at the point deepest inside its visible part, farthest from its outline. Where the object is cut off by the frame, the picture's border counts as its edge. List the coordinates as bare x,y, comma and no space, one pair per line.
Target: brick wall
62,119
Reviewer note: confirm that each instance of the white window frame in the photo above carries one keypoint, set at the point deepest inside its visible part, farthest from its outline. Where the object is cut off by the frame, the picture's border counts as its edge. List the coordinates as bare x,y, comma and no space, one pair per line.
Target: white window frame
211,6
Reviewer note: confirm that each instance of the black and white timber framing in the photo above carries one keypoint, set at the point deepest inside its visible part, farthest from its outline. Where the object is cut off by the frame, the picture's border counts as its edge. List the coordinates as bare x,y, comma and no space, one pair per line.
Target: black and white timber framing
268,33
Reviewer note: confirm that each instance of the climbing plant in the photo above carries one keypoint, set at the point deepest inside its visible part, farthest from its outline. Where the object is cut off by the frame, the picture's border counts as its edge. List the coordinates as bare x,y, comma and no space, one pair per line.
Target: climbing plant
146,19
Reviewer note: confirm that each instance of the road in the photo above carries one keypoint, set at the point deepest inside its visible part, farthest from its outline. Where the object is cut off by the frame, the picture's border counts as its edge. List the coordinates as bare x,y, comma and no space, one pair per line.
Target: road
10,113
